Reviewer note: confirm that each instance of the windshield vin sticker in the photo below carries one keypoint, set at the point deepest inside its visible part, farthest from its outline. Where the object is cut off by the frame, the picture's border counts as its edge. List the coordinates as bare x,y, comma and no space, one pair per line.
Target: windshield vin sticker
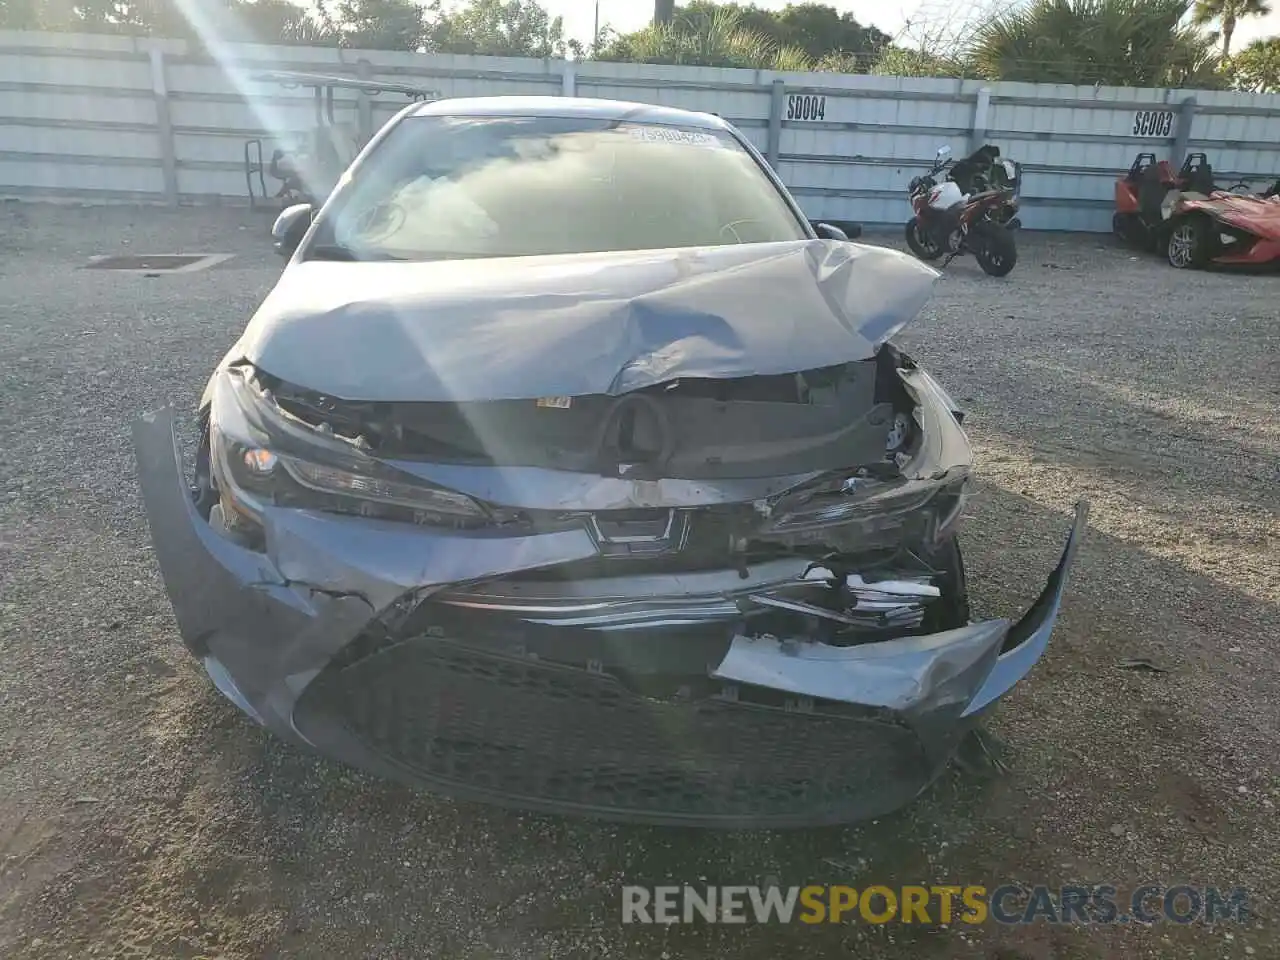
693,138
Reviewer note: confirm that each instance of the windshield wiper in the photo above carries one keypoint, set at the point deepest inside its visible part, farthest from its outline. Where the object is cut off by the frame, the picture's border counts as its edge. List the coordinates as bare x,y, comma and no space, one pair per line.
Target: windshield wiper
340,251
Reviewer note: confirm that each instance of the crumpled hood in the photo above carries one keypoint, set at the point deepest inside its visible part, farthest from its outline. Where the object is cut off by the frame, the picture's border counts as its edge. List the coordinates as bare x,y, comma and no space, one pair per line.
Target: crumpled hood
1255,214
607,323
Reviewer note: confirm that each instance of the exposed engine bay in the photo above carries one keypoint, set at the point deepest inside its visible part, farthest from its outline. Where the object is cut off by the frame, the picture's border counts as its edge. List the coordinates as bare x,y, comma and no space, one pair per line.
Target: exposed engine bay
843,555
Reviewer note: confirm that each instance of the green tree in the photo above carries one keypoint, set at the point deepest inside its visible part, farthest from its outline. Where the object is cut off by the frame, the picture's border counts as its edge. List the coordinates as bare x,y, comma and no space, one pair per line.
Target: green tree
1134,43
818,30
904,62
1226,14
278,21
251,21
1256,68
25,15
718,40
376,24
109,16
799,37
500,28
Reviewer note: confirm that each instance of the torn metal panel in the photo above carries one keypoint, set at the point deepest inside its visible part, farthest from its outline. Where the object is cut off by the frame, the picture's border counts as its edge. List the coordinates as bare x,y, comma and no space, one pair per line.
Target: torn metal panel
550,489
970,666
235,610
905,674
588,324
383,559
648,601
1029,637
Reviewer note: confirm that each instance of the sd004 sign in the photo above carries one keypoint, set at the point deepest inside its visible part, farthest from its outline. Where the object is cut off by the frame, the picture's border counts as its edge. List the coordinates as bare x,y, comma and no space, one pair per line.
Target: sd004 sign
806,106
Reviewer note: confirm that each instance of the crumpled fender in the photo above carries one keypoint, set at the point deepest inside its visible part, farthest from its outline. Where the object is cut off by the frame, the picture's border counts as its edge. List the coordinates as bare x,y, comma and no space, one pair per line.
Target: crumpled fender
966,669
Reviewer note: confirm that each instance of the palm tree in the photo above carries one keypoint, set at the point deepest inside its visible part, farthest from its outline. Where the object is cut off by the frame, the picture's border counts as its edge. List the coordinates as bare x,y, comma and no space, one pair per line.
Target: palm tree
663,11
1227,13
1129,43
719,40
1256,68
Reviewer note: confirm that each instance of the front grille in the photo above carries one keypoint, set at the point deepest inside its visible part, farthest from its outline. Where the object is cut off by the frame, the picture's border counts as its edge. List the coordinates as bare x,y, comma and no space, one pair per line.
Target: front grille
552,737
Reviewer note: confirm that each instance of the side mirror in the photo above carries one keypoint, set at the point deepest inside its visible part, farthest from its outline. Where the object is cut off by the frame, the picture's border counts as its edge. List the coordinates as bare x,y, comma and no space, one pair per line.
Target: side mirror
837,229
290,227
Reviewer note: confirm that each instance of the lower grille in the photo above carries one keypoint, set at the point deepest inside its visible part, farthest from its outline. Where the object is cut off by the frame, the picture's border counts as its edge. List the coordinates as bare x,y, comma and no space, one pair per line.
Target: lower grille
558,738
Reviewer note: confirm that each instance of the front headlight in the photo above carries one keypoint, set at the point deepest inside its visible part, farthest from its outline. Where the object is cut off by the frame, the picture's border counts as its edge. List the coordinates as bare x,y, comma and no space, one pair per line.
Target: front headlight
918,498
263,456
876,513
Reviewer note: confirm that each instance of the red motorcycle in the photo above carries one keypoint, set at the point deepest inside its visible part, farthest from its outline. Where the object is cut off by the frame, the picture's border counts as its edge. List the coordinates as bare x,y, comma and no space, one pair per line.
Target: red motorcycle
952,221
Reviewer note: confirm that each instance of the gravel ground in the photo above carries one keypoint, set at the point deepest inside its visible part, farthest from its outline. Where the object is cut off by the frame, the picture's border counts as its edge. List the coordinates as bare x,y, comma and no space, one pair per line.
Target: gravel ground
140,815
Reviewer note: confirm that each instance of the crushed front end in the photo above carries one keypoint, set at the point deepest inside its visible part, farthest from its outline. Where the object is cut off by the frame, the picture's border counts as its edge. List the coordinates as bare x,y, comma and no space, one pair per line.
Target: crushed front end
720,602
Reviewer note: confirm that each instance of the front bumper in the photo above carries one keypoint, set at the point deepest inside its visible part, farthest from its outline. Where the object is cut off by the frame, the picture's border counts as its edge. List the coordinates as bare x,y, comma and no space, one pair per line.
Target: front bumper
1251,252
697,723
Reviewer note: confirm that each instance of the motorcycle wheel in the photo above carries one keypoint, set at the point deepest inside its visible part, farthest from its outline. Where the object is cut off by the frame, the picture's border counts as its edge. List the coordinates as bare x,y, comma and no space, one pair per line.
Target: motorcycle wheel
997,254
1122,227
921,243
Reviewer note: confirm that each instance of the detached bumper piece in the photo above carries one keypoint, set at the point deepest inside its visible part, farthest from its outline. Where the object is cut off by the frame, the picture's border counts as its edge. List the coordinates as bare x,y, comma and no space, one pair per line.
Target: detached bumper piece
439,658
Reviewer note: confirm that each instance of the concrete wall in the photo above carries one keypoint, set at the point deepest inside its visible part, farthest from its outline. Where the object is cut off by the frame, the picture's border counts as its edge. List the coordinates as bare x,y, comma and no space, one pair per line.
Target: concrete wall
113,118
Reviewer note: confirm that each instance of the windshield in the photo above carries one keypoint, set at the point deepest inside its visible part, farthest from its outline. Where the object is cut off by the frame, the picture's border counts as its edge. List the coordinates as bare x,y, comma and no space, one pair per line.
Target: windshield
464,187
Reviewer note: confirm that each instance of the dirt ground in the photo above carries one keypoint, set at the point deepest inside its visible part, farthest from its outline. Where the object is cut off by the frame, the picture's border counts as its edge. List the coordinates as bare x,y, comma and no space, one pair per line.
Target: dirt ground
142,816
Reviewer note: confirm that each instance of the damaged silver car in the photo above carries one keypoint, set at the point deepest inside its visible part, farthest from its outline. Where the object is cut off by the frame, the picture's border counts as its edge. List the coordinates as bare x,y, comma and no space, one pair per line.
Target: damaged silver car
568,466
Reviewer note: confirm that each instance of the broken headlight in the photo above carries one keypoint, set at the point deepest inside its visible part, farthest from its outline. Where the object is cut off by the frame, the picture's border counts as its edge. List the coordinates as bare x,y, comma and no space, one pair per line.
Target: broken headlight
915,498
261,455
872,512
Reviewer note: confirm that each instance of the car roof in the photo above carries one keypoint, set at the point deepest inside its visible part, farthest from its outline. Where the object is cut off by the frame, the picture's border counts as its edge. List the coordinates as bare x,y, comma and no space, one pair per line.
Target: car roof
568,107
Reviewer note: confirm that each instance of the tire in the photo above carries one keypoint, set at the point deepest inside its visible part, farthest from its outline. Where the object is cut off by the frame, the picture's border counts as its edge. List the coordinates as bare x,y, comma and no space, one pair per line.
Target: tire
1128,228
921,244
1187,245
951,610
997,254
203,492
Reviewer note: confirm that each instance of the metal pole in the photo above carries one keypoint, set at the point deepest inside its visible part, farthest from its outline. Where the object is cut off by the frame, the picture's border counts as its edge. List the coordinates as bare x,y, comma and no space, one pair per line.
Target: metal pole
364,104
164,126
978,129
777,100
1186,117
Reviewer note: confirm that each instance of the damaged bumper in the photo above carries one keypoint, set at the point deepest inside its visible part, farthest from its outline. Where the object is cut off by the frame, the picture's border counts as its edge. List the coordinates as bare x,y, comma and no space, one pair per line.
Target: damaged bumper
649,701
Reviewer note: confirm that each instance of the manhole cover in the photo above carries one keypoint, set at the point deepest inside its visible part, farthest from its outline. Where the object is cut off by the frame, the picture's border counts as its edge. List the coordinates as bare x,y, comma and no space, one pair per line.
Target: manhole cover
157,262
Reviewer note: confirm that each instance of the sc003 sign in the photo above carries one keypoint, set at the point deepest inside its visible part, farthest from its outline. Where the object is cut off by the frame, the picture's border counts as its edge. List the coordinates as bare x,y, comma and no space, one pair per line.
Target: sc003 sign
806,106
1153,123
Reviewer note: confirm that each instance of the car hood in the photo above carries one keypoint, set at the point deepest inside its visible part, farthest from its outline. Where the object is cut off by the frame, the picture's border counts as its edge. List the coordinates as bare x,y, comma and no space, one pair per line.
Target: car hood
532,327
1257,215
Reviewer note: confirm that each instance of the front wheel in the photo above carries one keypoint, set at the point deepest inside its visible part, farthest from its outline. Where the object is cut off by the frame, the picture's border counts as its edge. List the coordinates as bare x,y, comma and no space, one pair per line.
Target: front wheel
997,254
922,244
203,491
1188,244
